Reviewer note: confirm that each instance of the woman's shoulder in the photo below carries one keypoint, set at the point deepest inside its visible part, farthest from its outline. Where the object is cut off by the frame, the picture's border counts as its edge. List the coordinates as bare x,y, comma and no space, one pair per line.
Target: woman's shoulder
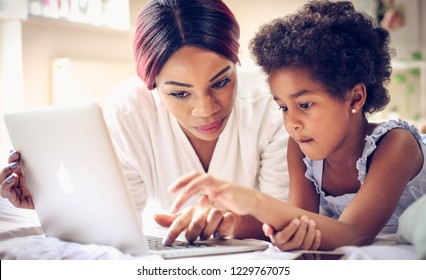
132,109
130,95
254,100
258,111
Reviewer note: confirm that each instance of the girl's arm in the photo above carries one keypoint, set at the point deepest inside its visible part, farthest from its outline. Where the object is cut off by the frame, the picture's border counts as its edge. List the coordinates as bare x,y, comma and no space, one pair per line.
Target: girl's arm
247,226
396,161
302,191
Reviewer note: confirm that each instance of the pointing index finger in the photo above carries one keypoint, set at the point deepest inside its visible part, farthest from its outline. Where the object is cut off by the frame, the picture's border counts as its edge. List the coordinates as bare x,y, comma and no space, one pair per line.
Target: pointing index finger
182,181
196,184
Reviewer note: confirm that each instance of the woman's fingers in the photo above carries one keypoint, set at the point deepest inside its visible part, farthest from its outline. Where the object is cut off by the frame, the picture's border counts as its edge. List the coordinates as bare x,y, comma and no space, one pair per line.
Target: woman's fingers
180,224
21,201
13,167
214,219
226,226
196,221
14,156
165,220
7,184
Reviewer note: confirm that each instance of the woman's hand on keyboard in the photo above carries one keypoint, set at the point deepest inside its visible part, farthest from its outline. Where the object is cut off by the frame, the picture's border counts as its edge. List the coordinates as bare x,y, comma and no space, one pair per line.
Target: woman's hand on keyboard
197,221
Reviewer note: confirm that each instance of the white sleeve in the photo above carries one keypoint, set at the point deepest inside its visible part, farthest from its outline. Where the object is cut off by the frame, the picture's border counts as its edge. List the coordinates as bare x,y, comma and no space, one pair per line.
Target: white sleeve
121,135
273,173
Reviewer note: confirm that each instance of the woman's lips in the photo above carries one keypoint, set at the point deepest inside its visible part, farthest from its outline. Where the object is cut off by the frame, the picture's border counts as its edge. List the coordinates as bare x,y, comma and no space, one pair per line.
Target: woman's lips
210,128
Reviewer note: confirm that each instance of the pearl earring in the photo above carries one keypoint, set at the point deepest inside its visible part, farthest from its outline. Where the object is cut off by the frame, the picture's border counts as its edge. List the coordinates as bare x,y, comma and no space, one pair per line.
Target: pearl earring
353,111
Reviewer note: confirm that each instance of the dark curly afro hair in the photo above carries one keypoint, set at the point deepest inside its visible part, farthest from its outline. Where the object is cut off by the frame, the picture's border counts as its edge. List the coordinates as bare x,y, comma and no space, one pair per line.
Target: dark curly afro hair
340,46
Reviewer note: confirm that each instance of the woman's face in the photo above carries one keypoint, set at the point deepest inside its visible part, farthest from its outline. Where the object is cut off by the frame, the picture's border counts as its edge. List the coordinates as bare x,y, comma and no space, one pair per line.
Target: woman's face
198,87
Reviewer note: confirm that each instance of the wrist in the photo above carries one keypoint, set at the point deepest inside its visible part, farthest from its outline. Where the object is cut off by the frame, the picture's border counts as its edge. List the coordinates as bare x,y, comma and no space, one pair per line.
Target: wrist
255,203
247,226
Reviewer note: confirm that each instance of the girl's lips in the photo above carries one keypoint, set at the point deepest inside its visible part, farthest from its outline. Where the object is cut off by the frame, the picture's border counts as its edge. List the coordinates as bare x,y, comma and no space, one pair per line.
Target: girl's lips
210,128
303,141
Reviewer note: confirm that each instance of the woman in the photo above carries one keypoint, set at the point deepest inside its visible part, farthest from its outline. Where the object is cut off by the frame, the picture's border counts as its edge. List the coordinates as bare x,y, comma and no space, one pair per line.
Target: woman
188,114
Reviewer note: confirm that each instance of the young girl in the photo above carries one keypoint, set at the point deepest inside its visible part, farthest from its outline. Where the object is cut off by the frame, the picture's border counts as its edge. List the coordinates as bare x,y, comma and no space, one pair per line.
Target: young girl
327,66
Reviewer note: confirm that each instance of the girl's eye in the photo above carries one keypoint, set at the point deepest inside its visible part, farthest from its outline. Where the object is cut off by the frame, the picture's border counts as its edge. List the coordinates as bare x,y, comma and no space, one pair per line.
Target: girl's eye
306,105
179,95
221,83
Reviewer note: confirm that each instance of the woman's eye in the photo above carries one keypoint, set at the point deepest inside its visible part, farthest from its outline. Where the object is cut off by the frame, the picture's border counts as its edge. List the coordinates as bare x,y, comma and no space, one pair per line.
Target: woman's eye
306,105
221,83
179,95
283,108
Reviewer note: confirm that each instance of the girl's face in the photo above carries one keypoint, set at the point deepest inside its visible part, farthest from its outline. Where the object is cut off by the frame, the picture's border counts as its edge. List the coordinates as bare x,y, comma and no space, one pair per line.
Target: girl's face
198,87
313,118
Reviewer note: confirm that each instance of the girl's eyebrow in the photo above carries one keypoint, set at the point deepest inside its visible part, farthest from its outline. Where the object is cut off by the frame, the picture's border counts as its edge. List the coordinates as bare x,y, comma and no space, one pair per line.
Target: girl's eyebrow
220,73
191,86
294,95
299,93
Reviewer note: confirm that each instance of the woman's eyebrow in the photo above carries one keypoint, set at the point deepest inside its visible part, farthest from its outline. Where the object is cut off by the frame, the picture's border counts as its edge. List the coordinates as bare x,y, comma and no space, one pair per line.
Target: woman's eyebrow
178,84
191,86
220,73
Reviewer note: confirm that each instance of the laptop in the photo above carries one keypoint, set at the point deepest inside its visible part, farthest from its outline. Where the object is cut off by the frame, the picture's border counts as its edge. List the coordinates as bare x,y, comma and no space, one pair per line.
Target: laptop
78,189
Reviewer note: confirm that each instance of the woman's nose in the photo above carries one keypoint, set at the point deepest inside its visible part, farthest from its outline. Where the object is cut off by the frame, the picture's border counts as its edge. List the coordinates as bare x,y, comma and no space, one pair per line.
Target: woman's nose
205,106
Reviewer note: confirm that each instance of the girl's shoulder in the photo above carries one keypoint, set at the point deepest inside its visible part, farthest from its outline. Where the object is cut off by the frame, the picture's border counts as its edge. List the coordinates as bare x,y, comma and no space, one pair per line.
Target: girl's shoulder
389,136
398,130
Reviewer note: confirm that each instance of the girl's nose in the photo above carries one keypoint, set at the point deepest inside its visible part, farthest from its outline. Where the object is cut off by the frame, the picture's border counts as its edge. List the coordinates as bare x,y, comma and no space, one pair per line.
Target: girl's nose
292,121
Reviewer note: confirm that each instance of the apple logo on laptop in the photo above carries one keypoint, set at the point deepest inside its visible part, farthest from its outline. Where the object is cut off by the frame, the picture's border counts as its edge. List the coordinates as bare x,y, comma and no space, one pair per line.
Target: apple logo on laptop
65,179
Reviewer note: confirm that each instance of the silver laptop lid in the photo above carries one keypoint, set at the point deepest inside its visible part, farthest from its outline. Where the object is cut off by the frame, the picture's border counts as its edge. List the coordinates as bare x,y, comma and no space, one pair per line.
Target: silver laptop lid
74,176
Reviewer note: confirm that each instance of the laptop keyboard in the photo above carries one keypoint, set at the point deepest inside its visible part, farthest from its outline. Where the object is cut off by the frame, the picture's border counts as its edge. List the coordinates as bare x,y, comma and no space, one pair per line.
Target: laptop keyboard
155,243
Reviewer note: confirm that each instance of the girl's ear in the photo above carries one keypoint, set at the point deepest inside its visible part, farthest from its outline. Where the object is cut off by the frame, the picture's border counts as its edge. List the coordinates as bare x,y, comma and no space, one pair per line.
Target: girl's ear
357,97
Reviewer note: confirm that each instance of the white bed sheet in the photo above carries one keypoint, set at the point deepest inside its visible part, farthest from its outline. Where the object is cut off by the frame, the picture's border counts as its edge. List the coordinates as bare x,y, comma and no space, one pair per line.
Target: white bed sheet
22,238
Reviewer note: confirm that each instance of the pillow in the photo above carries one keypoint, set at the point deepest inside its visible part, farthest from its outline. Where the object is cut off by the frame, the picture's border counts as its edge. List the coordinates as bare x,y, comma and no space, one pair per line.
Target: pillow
412,227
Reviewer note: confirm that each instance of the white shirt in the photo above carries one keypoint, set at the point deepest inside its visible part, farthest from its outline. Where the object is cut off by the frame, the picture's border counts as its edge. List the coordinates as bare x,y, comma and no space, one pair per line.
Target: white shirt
154,151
